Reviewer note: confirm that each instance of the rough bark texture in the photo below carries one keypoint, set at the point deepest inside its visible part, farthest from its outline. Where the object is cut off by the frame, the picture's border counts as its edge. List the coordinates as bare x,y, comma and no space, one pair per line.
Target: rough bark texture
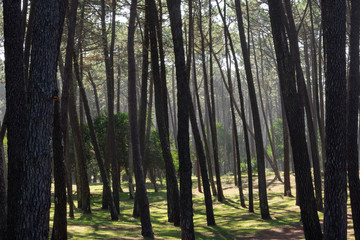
15,105
161,118
184,101
333,19
352,118
35,190
286,72
305,100
139,175
264,208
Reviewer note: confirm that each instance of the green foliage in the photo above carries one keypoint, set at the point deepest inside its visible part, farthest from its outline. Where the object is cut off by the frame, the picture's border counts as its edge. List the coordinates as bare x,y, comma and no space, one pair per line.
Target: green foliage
277,130
155,158
121,134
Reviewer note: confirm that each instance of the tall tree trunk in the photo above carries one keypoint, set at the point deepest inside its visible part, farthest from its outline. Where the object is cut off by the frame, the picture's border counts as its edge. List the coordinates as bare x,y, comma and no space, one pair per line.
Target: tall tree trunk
139,174
48,23
212,116
265,214
97,104
294,113
352,154
162,122
60,222
113,211
335,215
16,112
204,136
109,65
305,101
184,103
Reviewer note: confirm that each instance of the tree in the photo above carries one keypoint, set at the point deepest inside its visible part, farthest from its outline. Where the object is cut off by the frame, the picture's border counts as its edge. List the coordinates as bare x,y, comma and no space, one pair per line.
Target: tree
139,174
184,101
352,153
296,123
335,216
15,92
265,214
48,23
162,117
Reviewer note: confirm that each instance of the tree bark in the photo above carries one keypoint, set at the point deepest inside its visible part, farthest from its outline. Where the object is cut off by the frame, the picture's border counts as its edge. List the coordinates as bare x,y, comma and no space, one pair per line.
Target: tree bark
265,214
113,211
184,102
140,183
35,190
294,113
16,112
352,154
162,122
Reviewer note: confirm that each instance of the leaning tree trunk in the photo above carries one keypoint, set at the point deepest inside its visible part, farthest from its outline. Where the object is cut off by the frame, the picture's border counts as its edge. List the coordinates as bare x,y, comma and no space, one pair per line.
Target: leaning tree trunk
109,65
352,118
256,117
113,211
296,123
161,117
184,101
139,174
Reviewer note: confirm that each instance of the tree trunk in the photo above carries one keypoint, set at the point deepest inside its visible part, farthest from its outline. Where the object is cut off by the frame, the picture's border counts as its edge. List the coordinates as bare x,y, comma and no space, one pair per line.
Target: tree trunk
184,103
305,101
60,222
15,92
140,183
161,118
352,154
3,205
109,65
113,211
265,214
296,123
335,215
48,22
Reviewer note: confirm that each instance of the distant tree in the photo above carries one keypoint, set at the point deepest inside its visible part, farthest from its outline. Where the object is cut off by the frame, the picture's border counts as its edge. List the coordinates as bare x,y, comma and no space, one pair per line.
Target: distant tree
335,214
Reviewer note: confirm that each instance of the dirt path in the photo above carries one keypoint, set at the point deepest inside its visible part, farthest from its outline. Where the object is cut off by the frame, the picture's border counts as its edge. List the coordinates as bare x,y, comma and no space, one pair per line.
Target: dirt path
285,232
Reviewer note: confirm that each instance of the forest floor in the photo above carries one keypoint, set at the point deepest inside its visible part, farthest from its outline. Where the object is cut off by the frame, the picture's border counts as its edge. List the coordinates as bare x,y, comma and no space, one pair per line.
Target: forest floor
232,221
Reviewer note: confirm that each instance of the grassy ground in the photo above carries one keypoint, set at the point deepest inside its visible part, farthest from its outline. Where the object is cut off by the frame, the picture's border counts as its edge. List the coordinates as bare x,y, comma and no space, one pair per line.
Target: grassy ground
233,222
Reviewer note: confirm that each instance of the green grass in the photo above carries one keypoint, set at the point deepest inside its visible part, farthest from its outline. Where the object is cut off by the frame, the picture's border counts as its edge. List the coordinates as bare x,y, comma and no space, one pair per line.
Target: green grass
233,221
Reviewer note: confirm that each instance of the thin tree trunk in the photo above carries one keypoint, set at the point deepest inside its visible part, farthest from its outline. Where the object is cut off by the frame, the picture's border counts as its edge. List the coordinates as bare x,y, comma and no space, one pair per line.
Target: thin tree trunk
140,183
60,222
109,64
162,121
212,116
97,104
305,101
265,214
184,103
113,211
